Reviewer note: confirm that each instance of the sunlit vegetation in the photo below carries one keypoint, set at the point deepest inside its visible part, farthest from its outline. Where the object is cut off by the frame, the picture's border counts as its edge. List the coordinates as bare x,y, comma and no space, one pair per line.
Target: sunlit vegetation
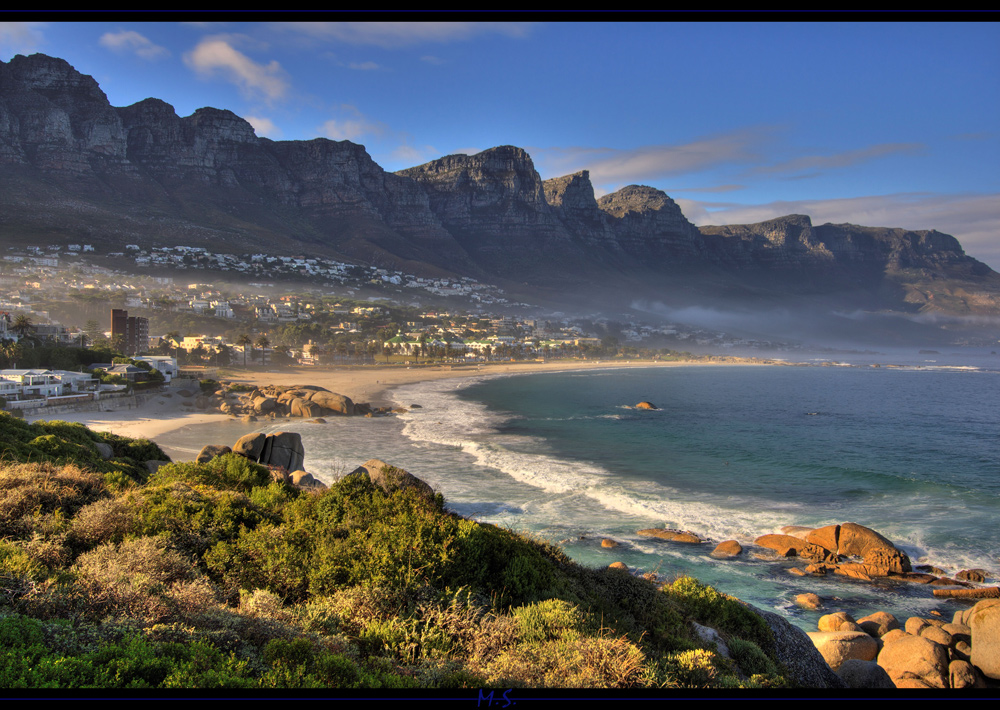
216,576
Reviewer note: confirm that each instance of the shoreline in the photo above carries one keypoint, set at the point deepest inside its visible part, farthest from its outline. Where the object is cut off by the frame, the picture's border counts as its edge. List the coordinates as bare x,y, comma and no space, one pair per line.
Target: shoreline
167,412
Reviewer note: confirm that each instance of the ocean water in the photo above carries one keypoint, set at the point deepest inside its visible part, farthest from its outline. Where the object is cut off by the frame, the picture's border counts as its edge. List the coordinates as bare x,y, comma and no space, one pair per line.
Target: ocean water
733,452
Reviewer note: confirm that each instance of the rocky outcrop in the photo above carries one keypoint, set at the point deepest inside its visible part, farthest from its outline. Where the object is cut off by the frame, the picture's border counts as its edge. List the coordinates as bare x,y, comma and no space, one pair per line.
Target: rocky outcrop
798,654
833,547
299,401
391,479
924,653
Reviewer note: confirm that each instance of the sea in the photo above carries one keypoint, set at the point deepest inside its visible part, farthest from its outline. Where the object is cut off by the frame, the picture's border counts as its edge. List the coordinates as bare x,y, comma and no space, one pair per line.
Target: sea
908,447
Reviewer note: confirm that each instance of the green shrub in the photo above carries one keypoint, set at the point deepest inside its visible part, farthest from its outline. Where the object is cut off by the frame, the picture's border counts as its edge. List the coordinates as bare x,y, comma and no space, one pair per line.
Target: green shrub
547,620
750,658
721,611
228,472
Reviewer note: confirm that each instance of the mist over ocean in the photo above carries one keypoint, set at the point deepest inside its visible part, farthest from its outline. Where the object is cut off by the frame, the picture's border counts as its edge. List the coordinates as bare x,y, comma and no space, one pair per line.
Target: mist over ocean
732,452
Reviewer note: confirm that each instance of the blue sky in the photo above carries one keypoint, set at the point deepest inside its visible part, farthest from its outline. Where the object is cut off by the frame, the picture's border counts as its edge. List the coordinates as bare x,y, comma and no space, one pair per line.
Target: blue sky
880,124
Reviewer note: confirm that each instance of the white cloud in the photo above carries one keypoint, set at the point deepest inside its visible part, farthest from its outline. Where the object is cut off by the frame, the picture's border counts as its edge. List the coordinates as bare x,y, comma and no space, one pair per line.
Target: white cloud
215,56
414,156
130,41
20,38
390,35
263,126
351,126
363,66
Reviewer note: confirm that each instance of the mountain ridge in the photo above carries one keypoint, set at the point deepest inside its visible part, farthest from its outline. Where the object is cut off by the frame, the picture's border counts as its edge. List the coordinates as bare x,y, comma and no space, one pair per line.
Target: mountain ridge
72,166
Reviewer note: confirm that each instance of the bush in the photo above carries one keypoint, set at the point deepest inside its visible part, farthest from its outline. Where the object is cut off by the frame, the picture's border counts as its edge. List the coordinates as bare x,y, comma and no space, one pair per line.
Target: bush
721,611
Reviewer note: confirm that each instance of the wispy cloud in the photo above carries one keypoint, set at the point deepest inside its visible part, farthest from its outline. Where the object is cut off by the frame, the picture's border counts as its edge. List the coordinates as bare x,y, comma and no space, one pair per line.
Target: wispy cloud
133,42
351,125
391,35
610,166
411,155
217,57
20,38
973,219
846,159
363,66
263,126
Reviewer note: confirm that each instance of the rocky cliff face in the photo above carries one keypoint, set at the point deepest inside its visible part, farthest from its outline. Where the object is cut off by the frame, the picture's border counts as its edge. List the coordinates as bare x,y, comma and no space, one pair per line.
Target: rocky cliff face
73,165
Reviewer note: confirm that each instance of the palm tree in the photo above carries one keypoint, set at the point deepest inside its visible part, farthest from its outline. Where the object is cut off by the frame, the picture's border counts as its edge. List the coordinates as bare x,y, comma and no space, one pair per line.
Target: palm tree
262,343
243,341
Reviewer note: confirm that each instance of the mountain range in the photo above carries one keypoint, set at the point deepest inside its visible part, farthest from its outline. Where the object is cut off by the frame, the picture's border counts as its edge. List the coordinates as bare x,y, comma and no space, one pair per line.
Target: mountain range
75,168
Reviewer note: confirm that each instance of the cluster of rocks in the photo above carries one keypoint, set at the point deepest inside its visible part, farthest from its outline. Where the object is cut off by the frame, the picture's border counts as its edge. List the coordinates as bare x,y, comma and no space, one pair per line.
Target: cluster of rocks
878,652
846,549
274,401
282,452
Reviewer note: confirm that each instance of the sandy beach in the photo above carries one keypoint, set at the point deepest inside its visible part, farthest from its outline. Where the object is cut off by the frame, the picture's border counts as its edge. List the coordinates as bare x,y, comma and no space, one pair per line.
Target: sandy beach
169,411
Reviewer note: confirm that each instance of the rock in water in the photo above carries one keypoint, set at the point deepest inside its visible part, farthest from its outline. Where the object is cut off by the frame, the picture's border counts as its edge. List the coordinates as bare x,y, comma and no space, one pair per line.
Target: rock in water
284,449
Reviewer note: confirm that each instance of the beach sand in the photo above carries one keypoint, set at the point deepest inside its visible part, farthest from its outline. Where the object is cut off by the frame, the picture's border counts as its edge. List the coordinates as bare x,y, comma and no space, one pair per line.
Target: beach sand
168,411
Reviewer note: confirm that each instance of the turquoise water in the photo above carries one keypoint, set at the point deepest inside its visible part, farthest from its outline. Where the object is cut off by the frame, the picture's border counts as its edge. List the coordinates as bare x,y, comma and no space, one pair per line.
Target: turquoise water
731,453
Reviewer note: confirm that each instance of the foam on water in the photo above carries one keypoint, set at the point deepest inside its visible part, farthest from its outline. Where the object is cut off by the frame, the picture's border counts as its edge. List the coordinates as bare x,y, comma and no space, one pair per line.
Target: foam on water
538,466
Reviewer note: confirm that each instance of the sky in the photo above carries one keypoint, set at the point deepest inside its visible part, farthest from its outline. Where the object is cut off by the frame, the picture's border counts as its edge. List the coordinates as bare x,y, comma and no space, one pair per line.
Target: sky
879,124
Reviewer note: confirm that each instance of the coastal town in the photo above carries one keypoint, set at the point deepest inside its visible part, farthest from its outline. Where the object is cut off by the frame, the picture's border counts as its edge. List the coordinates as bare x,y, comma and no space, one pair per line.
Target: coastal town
183,309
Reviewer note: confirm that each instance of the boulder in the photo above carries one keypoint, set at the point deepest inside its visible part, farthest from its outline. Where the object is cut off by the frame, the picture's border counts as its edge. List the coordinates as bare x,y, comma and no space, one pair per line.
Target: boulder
858,541
839,646
104,450
913,661
608,542
808,600
879,623
390,479
250,445
284,449
972,575
264,405
795,651
335,403
671,535
298,407
727,549
962,674
985,624
833,622
153,466
784,545
825,537
210,451
864,675
646,405
937,635
303,479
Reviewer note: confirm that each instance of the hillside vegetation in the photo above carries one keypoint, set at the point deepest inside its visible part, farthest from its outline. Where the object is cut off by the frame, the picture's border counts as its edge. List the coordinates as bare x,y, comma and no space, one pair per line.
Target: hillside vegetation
215,576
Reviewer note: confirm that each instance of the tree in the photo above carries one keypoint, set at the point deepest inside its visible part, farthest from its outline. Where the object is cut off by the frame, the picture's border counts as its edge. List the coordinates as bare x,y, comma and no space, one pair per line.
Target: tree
263,343
243,341
22,325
